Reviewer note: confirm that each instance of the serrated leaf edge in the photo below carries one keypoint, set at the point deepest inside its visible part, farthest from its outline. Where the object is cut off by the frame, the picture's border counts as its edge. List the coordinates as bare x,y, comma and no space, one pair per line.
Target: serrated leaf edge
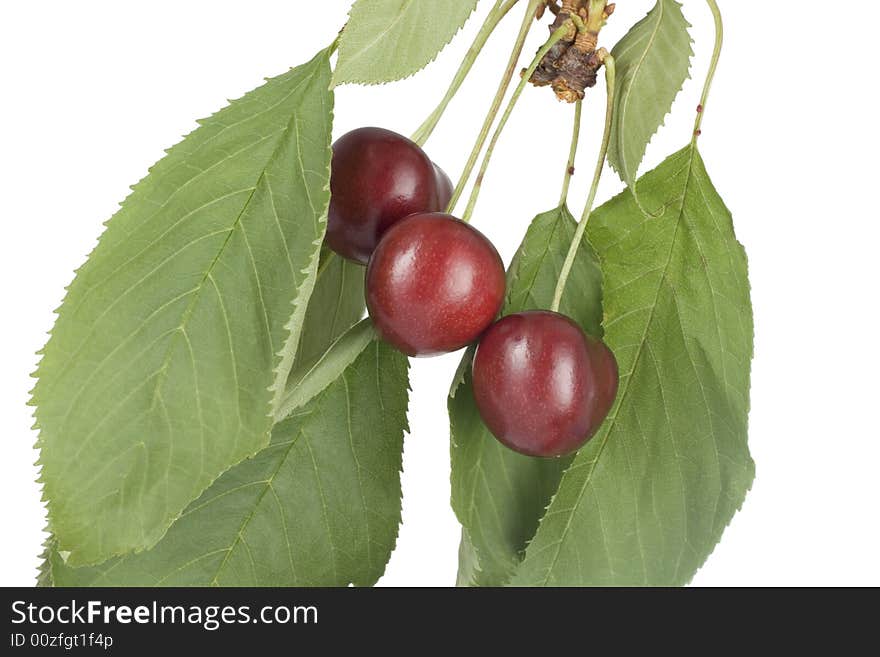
336,82
309,282
612,416
631,179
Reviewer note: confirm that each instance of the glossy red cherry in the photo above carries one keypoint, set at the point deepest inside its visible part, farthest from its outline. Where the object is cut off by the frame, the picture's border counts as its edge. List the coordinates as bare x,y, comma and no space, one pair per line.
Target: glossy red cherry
445,189
378,177
434,284
542,385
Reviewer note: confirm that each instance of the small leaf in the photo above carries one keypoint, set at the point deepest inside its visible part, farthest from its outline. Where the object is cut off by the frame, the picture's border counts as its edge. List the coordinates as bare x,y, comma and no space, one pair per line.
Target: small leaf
335,306
468,566
387,40
653,60
647,499
328,368
535,268
319,507
172,349
499,495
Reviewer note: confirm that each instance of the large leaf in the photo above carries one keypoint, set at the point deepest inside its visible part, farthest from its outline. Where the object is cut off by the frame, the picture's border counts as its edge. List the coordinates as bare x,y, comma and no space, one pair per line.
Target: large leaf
319,507
646,500
170,353
653,60
499,495
387,40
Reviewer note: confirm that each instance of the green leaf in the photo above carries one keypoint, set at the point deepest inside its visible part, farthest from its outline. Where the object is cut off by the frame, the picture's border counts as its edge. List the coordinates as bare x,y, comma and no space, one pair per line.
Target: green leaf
653,61
468,566
328,368
647,499
536,266
387,40
499,495
170,353
335,306
44,572
319,507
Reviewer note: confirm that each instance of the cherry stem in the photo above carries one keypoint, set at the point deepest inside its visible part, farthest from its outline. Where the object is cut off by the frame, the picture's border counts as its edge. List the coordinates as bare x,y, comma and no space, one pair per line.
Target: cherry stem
610,71
524,80
496,102
713,66
572,154
495,16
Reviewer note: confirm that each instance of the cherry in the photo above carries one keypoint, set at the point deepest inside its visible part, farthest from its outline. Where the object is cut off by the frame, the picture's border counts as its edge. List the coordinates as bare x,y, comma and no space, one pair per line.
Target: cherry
445,190
542,385
434,284
378,177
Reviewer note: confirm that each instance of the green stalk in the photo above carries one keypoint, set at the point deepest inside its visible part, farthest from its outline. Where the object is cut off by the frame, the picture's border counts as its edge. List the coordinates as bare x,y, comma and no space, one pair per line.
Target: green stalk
572,153
713,66
496,102
335,45
524,80
594,187
496,15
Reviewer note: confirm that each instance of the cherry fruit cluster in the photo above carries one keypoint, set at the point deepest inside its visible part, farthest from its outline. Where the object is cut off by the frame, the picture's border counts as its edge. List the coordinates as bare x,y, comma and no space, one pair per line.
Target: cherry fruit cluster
435,284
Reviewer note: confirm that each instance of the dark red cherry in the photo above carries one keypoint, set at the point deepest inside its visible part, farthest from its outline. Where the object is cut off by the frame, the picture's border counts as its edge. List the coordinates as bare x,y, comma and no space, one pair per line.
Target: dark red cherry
542,385
445,190
378,177
434,284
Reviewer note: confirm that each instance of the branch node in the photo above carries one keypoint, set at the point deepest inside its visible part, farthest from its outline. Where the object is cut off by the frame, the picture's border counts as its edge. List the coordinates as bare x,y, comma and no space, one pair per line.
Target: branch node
571,66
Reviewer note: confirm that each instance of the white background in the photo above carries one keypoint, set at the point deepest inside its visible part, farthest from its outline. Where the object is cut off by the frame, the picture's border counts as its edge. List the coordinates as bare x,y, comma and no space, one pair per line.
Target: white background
92,92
